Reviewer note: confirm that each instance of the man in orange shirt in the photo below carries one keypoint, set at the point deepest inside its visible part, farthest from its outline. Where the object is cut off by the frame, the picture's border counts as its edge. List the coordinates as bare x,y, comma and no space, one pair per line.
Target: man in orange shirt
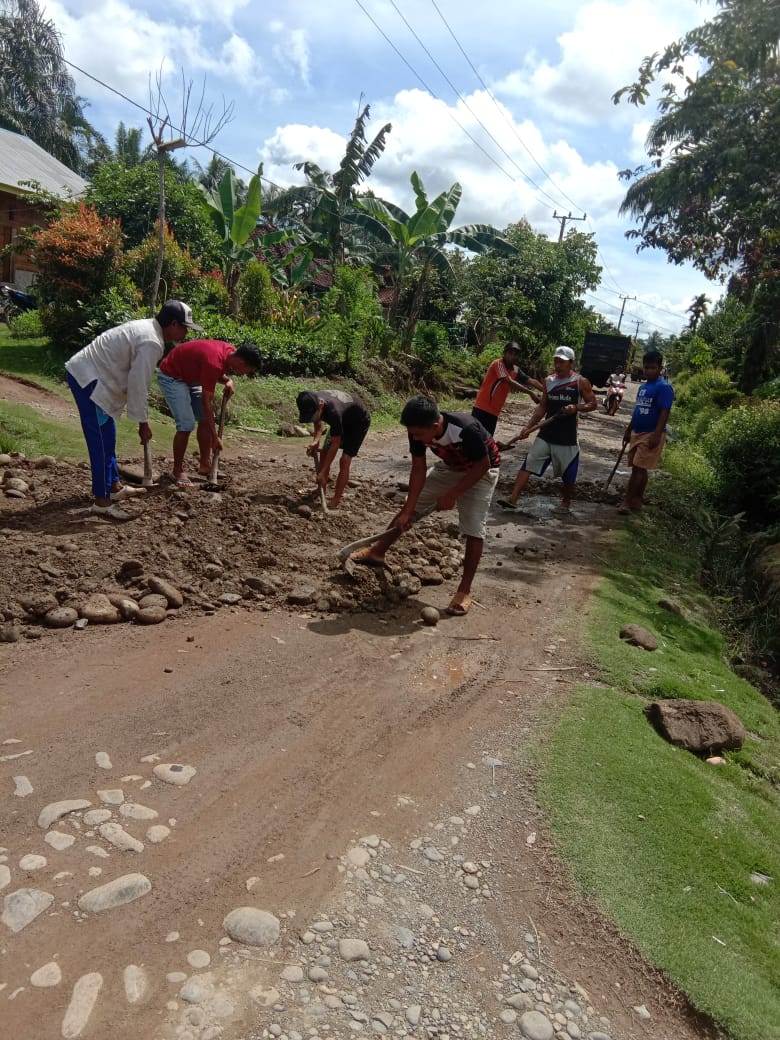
503,375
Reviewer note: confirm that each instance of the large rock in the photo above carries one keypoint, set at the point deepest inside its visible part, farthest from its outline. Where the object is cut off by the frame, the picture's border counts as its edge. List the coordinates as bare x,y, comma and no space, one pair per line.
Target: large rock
638,636
251,926
82,1003
698,726
39,603
23,906
56,810
61,617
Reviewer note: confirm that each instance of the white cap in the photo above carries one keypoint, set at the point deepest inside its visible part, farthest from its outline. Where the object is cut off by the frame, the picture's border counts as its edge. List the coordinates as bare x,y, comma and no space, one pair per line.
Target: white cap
565,352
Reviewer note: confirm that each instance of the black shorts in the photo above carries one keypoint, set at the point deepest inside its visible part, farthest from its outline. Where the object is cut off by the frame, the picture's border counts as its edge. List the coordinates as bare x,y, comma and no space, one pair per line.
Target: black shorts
488,420
353,436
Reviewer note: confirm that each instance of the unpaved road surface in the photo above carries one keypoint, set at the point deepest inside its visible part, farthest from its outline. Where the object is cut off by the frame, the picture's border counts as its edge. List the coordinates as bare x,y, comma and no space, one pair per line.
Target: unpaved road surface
358,776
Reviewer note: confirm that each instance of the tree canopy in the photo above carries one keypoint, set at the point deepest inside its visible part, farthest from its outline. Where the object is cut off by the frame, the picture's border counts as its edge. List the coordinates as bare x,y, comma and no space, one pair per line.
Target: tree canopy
711,192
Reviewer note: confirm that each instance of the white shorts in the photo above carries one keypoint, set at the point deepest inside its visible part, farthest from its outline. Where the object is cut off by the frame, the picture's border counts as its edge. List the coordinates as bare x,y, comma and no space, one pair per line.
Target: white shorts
472,505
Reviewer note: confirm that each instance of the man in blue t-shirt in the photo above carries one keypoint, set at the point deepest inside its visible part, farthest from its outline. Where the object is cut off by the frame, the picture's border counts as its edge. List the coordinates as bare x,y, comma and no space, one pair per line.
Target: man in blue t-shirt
646,431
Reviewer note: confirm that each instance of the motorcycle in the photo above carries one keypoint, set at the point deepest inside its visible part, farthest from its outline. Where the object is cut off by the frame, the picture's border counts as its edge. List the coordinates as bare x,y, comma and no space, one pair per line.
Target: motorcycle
13,302
613,397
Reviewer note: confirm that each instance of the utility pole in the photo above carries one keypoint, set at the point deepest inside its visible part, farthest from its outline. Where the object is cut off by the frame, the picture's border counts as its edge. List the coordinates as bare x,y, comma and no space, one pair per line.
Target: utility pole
636,330
623,298
564,219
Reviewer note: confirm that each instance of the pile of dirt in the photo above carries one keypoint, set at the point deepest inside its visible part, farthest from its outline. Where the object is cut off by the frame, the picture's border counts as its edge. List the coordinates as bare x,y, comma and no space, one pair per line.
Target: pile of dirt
261,542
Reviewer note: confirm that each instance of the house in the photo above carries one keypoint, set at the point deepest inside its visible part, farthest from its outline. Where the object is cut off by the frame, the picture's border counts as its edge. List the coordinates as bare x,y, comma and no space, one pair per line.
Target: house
22,160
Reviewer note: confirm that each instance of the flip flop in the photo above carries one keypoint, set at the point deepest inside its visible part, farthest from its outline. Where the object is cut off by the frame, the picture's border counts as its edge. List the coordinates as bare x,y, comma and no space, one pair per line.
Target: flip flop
183,482
458,608
366,561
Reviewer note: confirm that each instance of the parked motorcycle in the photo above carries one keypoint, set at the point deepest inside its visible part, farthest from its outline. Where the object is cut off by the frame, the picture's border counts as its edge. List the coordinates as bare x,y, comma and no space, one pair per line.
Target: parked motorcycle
616,388
13,302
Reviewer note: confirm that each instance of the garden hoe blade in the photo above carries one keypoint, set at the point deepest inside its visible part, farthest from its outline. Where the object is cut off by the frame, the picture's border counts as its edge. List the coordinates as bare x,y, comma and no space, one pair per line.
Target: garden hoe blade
212,481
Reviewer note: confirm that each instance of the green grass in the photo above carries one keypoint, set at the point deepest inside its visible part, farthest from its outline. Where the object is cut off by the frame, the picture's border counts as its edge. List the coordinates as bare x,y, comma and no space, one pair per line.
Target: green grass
665,842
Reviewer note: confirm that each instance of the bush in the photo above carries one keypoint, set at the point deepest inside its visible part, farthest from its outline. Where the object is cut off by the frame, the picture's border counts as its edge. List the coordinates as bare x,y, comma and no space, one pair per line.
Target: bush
285,352
78,258
256,295
26,325
180,272
120,303
210,294
743,447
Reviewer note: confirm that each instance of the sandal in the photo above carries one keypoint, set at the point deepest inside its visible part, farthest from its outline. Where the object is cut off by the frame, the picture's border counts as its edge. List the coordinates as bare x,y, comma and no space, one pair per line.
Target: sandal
460,605
362,557
182,481
126,491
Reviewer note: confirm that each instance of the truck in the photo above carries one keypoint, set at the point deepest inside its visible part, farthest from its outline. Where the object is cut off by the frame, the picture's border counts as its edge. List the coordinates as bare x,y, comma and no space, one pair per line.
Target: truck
603,354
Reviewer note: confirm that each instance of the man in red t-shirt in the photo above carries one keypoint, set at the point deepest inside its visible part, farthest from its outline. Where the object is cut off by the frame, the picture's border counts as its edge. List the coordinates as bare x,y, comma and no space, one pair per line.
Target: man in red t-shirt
502,376
188,377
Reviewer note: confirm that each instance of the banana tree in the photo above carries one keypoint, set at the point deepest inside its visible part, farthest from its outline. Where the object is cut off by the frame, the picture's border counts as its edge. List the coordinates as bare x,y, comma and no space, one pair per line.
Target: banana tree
236,224
324,204
418,241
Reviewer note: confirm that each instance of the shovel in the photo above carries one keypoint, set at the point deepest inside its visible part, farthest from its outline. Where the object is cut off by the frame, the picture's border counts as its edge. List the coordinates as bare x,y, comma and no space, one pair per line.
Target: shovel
211,482
538,426
614,468
345,553
148,482
323,503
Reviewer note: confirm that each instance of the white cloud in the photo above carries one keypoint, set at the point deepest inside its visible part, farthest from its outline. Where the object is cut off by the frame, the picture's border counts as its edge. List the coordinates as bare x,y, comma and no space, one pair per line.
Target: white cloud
292,50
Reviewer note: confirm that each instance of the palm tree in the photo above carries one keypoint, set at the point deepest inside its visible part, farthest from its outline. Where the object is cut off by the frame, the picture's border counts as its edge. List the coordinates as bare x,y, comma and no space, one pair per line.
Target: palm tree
37,93
420,239
326,201
697,310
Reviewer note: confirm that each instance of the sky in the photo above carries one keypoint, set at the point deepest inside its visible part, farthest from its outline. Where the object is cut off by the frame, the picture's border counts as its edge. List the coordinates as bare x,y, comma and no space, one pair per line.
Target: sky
510,98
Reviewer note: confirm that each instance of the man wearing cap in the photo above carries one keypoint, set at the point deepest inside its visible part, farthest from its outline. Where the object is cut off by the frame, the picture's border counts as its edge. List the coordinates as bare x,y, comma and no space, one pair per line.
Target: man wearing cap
348,419
112,372
503,375
566,393
188,377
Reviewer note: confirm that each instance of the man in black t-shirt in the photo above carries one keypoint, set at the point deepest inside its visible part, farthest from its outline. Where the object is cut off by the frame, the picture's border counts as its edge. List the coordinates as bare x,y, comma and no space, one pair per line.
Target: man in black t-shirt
465,476
348,419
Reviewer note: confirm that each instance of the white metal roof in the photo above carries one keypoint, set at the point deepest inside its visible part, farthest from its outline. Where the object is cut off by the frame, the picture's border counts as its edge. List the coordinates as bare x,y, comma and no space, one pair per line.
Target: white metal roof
23,160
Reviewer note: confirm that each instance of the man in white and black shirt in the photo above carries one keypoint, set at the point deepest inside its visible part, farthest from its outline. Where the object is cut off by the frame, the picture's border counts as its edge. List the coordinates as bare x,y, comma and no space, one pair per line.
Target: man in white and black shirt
465,476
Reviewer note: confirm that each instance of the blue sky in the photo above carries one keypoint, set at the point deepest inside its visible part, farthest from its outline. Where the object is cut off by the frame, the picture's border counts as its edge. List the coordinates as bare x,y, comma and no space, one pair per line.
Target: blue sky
521,94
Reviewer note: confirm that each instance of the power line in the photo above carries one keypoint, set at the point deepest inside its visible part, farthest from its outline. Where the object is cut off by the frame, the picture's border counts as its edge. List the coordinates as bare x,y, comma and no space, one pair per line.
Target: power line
499,109
468,107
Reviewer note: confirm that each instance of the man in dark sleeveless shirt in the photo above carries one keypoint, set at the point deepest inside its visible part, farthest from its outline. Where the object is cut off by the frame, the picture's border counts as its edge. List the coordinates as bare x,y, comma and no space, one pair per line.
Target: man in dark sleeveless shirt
566,393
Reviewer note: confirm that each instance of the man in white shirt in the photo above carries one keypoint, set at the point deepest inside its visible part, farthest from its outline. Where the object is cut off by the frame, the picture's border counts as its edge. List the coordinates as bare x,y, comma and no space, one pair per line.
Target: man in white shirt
115,371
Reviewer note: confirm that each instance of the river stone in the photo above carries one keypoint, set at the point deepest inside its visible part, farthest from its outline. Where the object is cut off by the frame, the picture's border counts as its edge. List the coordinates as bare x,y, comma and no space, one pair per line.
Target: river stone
56,810
153,599
134,811
32,862
126,606
38,604
536,1026
670,605
58,840
251,926
198,988
22,786
99,610
151,615
23,906
413,1013
358,857
43,462
112,796
121,890
260,584
96,816
430,615
119,838
136,984
85,994
49,975
5,876
293,973
354,950
157,833
60,617
16,484
174,773
12,492
198,959
302,595
230,599
9,633
173,597
638,636
519,1001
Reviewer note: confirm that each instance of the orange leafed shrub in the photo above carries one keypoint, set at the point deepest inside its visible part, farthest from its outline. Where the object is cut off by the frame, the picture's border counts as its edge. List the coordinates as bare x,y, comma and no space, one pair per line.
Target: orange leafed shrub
78,254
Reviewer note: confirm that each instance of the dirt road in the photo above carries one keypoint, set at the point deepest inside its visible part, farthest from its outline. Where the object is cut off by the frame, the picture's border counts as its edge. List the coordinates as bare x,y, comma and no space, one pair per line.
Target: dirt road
357,775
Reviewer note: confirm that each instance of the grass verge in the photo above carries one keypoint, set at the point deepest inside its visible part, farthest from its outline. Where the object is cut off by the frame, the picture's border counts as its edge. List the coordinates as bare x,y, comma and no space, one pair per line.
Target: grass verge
666,843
